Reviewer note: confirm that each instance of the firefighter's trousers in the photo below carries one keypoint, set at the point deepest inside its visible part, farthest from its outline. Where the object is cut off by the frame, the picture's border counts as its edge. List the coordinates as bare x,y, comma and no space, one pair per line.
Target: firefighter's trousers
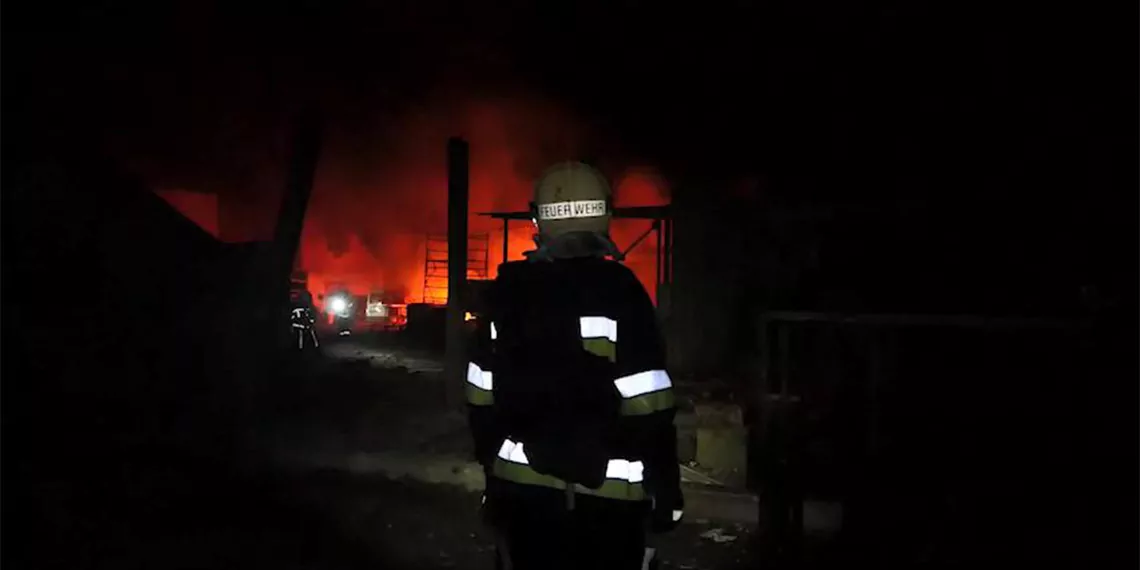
304,334
537,530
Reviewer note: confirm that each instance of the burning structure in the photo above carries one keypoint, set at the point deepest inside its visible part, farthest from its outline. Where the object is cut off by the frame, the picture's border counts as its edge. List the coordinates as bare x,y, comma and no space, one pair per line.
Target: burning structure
378,211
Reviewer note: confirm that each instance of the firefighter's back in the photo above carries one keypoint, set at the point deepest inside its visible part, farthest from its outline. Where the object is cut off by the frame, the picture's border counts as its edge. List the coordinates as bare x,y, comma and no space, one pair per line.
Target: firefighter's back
555,389
574,430
563,470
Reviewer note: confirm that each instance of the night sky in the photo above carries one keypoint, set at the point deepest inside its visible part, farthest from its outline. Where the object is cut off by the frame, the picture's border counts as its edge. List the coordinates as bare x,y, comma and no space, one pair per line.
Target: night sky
883,93
998,115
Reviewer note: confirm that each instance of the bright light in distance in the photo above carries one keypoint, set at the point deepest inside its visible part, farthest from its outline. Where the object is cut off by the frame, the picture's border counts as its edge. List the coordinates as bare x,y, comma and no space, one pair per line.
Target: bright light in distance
338,304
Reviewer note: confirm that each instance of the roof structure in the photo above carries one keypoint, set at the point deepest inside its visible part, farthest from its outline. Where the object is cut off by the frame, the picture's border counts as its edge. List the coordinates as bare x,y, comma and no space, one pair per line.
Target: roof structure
661,212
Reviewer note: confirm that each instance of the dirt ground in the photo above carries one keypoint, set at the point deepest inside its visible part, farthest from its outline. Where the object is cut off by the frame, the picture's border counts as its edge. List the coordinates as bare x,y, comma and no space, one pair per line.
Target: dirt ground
108,504
369,396
156,511
432,526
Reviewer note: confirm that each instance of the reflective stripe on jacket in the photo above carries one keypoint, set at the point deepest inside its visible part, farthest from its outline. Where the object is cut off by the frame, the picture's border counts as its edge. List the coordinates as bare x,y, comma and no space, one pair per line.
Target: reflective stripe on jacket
642,392
623,477
617,321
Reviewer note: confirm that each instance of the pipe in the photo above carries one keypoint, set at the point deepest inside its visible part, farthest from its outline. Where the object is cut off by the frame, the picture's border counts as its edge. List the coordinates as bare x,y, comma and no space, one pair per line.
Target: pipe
269,275
639,239
506,238
457,196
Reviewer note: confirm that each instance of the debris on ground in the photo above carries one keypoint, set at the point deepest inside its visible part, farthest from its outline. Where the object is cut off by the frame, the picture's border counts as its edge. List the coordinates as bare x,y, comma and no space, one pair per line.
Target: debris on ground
718,536
381,411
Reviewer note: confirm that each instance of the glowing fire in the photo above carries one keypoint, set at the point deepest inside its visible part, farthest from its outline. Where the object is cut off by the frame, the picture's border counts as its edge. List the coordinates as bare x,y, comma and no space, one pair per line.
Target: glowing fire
375,202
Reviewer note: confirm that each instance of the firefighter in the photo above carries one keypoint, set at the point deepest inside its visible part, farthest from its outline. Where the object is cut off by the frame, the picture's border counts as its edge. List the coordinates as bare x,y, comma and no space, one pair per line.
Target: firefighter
569,402
302,320
341,306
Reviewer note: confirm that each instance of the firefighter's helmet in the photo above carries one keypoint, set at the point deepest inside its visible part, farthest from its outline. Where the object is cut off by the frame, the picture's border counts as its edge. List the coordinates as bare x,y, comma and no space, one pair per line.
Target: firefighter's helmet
571,197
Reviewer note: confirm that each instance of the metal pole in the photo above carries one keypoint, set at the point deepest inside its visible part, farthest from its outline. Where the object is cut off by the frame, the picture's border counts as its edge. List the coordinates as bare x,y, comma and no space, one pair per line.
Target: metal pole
457,195
765,385
783,368
760,428
784,495
298,188
875,374
271,273
506,236
660,268
638,241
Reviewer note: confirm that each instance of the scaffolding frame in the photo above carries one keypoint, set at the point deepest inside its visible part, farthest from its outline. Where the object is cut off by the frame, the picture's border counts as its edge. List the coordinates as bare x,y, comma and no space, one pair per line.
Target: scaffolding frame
435,264
662,227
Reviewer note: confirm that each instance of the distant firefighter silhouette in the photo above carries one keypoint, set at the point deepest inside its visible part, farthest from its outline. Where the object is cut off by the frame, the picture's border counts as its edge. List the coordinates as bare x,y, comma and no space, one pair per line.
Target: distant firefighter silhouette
303,322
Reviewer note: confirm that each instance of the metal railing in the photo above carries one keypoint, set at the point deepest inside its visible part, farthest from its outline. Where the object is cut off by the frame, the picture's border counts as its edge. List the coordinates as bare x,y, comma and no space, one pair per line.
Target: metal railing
842,400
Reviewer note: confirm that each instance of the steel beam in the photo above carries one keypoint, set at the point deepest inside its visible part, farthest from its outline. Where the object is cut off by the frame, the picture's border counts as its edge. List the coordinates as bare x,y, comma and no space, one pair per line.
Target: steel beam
457,197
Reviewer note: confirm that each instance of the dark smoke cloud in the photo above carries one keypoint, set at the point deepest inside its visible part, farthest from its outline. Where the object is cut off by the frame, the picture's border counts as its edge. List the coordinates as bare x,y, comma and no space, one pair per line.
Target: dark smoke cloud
203,97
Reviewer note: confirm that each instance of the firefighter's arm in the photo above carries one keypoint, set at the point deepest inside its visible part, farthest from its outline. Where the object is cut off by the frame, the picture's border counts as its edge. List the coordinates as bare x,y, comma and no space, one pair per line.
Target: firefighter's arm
479,389
648,405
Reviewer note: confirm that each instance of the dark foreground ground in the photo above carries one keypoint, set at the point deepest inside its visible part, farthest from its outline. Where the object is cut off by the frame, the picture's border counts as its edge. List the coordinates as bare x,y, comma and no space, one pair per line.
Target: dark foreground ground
438,527
177,514
87,495
110,497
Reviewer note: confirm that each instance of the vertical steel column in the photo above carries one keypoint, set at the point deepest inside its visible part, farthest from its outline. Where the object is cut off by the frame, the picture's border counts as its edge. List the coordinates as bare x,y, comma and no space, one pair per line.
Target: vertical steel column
660,269
294,202
457,195
506,235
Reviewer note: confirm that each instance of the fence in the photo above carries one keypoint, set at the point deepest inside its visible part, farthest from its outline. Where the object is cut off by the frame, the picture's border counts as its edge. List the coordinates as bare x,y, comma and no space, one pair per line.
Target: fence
916,425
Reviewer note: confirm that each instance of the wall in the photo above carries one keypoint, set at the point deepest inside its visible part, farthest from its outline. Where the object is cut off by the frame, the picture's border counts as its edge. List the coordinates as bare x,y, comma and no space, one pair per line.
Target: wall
735,256
704,288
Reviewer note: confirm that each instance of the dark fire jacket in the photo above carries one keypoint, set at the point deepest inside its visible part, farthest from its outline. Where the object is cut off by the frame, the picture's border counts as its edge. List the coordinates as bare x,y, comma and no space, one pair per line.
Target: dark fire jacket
538,314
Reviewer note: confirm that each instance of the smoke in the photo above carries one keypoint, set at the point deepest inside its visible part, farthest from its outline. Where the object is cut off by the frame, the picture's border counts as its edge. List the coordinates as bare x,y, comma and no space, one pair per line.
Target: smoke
207,108
380,193
381,186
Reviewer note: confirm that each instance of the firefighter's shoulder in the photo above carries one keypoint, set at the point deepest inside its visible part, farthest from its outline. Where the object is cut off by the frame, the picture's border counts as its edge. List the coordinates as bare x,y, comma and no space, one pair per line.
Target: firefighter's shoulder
511,276
511,270
621,276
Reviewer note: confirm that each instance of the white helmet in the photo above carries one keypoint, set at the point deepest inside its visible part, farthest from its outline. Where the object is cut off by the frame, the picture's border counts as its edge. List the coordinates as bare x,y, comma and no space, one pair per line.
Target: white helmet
571,197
